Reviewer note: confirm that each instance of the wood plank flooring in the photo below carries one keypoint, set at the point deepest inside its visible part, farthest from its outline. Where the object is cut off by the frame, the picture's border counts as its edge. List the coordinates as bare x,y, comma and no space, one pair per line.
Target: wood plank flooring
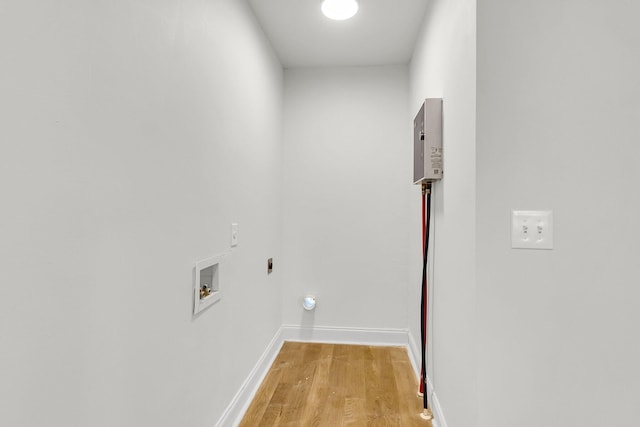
337,385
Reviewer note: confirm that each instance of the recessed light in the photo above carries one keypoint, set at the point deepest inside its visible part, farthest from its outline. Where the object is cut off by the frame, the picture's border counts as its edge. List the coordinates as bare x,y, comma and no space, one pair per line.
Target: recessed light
339,10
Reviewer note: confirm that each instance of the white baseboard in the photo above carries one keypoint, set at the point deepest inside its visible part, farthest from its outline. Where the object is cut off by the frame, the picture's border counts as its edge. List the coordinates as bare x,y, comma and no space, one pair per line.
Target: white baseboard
436,409
335,335
240,403
416,361
338,335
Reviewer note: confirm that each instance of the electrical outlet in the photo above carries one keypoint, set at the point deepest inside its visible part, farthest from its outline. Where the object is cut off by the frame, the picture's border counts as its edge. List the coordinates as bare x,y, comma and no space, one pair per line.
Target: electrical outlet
532,229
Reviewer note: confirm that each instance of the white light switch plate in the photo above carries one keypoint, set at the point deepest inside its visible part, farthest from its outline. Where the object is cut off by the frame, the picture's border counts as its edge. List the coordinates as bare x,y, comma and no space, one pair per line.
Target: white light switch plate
532,229
234,234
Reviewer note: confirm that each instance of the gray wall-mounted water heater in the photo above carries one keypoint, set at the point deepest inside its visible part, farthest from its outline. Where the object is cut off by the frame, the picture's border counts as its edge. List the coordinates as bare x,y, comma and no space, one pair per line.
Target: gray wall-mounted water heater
427,142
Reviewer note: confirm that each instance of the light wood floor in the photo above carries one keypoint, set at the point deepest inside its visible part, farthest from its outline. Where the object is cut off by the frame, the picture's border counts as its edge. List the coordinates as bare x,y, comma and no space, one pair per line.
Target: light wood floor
337,385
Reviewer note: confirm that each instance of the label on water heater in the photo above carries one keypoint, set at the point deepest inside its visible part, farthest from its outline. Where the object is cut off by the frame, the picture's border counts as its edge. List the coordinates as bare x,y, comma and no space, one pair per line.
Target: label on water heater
436,160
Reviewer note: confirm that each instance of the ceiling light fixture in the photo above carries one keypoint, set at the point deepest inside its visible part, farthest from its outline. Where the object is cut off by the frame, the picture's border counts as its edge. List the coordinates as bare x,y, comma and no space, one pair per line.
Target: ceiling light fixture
339,10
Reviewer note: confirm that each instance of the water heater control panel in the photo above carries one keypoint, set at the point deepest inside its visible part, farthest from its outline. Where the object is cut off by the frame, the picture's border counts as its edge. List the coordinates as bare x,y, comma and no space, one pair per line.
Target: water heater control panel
427,142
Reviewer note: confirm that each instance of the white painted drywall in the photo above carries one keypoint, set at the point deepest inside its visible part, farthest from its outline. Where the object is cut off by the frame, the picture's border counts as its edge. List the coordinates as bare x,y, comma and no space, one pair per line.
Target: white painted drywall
131,135
347,179
558,110
443,66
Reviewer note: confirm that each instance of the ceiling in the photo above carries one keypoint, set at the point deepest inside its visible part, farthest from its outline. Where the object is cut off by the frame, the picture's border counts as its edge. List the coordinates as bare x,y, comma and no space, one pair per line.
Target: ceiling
382,32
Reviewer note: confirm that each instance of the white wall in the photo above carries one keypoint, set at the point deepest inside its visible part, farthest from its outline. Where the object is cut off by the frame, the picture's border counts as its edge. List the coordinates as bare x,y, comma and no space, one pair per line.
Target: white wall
443,66
347,179
558,111
132,134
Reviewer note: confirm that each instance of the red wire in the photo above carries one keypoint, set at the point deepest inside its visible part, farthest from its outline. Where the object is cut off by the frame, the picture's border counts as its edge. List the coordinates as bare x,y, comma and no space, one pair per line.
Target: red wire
424,221
424,315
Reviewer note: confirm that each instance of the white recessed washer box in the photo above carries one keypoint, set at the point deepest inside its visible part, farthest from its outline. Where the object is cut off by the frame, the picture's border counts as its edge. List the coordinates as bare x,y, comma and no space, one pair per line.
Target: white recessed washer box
206,286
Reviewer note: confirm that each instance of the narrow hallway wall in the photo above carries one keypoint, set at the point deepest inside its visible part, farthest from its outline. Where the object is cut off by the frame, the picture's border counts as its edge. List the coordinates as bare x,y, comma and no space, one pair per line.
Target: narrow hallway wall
443,66
558,109
133,133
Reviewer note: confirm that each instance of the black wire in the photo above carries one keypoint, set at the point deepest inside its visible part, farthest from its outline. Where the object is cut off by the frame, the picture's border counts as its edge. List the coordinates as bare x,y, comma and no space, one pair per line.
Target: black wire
423,332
